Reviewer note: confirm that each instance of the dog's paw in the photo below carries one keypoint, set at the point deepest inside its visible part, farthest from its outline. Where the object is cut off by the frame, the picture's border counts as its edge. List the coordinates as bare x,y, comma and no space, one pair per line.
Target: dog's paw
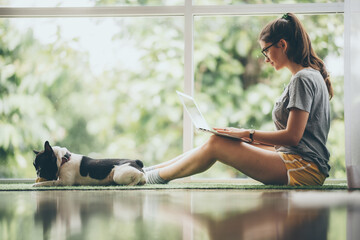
127,175
142,180
47,184
37,185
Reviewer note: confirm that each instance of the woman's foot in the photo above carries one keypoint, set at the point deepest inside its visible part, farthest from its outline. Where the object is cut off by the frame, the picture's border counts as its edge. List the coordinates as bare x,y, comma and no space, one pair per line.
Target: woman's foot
153,177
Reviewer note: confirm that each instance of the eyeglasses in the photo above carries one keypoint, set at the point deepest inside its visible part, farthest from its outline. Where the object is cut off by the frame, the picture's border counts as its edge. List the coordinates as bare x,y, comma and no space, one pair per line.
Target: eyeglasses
267,48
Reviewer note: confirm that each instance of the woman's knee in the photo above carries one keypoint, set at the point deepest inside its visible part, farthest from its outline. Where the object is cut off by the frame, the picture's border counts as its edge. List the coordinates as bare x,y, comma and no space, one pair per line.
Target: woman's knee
213,145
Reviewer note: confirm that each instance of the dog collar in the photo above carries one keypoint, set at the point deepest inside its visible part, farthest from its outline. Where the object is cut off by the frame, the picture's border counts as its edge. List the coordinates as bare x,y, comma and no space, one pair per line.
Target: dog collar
65,158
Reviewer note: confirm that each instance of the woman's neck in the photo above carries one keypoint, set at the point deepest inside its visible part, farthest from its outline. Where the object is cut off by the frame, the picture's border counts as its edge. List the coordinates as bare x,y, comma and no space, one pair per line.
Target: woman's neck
294,68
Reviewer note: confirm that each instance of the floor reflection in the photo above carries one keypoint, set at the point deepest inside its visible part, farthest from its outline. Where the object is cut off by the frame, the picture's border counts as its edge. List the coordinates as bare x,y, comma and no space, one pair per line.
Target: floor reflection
274,218
179,215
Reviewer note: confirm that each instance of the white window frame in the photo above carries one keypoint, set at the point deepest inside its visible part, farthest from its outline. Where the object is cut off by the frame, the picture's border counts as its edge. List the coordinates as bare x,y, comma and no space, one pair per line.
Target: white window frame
351,92
189,11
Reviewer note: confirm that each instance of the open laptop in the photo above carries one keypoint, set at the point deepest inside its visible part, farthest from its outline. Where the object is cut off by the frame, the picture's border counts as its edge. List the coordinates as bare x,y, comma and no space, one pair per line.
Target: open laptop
196,116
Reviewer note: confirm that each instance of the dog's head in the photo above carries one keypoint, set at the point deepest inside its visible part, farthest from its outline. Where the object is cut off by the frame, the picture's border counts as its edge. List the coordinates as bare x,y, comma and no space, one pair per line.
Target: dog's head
48,161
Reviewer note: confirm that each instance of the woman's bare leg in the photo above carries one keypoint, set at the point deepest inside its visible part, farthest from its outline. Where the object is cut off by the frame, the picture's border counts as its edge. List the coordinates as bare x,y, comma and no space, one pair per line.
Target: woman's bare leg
265,147
263,165
184,155
172,161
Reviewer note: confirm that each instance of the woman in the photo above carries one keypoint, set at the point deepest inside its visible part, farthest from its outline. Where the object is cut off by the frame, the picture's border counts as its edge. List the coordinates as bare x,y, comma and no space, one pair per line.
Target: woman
294,154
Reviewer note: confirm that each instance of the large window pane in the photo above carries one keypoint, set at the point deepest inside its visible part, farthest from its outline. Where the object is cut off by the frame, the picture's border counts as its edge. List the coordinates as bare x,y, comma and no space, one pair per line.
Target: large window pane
234,87
103,87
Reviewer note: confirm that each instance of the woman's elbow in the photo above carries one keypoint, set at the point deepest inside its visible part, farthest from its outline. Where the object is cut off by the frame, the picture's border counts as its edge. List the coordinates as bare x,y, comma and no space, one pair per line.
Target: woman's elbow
294,141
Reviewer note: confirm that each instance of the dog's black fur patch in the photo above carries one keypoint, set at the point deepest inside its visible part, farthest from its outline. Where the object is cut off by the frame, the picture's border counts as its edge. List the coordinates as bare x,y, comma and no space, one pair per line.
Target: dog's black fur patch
45,163
100,168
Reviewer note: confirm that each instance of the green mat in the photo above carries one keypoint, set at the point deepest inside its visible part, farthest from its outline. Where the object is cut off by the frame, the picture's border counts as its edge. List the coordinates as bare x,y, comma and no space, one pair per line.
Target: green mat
198,186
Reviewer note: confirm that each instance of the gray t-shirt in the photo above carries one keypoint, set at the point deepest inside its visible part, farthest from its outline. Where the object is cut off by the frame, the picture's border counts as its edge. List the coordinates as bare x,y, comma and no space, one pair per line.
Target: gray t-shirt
307,91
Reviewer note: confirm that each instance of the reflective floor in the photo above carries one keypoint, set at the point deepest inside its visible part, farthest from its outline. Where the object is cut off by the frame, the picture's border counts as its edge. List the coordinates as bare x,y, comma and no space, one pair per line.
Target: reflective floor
180,214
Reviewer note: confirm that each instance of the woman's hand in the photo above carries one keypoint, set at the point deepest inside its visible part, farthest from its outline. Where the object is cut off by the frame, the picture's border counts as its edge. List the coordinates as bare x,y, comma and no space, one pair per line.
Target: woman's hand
245,135
238,132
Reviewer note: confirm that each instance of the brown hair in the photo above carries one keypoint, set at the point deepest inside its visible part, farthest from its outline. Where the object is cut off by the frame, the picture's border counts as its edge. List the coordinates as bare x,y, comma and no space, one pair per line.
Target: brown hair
299,49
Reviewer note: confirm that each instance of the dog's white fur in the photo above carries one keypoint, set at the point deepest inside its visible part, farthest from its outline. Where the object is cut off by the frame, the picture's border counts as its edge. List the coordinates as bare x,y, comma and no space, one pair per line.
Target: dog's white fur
69,173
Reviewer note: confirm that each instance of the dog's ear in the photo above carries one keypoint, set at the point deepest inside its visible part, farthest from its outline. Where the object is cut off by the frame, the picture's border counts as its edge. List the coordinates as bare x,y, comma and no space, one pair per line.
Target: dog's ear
47,147
36,152
139,163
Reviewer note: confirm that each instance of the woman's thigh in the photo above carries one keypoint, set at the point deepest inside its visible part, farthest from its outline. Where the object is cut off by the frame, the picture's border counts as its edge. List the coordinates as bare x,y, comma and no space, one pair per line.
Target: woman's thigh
263,165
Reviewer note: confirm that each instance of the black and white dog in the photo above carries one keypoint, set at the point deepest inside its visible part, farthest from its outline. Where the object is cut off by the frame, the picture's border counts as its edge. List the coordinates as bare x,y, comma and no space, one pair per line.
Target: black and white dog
56,166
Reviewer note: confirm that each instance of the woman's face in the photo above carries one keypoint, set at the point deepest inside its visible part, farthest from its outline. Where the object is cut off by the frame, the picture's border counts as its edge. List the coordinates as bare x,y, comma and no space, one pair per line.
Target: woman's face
274,54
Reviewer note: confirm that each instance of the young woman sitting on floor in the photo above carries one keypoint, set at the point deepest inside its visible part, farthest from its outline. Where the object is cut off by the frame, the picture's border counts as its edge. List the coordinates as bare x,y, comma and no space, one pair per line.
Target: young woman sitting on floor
298,155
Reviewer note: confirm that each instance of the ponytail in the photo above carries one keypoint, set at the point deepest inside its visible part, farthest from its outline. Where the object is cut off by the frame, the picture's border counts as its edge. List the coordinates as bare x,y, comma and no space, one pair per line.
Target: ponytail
299,49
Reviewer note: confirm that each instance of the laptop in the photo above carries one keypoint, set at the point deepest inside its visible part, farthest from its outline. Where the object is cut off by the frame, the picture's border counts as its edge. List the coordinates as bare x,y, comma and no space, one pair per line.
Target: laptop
197,118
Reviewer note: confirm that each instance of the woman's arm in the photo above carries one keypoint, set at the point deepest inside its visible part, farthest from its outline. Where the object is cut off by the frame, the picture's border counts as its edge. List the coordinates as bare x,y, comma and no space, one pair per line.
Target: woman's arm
290,136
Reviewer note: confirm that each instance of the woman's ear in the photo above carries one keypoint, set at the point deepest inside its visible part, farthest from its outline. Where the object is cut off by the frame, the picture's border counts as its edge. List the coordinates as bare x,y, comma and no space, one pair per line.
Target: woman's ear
283,44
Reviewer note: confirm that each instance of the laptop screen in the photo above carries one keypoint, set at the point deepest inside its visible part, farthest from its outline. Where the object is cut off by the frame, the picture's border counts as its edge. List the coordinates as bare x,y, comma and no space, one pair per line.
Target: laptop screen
193,111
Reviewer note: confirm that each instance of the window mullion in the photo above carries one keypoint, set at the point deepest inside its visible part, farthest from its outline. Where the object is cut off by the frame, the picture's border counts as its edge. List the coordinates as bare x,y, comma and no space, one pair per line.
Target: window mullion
188,130
136,11
265,9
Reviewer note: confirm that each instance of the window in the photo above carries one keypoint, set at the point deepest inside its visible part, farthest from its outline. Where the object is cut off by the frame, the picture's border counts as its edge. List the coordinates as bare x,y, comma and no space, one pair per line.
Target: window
236,88
99,77
99,86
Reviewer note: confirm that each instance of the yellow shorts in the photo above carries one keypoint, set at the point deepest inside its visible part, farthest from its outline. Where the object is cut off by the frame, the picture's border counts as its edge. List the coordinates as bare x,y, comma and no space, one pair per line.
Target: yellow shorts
301,172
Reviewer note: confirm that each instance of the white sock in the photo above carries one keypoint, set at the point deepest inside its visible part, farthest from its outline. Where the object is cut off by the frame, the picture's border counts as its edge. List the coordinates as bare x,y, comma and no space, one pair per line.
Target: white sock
153,177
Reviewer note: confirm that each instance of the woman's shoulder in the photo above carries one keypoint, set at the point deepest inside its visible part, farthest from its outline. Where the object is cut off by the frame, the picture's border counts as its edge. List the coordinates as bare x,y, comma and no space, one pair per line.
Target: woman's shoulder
308,76
308,80
308,73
